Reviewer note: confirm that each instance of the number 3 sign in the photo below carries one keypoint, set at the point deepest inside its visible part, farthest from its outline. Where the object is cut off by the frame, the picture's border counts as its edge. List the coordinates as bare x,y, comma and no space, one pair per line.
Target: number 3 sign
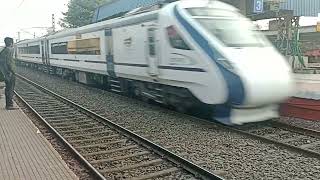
258,6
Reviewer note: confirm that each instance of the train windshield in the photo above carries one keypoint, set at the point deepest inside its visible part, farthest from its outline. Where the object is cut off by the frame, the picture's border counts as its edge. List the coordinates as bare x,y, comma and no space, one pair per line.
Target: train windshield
229,27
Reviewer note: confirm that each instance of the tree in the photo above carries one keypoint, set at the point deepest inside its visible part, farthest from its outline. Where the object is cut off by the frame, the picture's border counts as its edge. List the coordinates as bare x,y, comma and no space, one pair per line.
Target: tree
80,12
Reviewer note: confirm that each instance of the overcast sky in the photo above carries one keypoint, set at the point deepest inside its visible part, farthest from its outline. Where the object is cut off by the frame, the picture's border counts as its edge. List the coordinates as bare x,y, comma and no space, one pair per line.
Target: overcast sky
22,15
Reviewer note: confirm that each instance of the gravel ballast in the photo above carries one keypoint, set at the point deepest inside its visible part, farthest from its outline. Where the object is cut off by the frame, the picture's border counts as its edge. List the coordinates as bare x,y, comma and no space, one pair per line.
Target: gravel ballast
315,125
74,164
230,155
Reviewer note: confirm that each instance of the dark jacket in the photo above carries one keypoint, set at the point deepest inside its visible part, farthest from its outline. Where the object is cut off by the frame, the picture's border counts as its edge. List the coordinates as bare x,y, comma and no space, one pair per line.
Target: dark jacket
6,60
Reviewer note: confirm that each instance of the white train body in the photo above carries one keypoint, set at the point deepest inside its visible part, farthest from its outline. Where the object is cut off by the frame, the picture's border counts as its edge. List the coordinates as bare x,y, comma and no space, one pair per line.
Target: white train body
204,47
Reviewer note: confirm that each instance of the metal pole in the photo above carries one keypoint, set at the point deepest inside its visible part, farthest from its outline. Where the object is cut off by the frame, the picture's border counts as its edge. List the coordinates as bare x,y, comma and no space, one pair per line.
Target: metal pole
53,23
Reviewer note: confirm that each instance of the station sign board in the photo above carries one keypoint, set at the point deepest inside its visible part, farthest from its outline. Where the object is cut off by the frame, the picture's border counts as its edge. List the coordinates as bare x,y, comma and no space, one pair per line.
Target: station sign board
258,6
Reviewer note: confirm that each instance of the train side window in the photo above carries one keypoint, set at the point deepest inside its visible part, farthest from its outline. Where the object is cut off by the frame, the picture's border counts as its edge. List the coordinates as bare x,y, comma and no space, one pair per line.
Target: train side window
176,40
59,48
29,50
21,50
34,49
84,46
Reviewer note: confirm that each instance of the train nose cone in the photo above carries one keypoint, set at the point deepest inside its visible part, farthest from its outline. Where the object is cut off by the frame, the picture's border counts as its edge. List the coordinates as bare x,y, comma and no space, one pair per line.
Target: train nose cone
266,87
266,76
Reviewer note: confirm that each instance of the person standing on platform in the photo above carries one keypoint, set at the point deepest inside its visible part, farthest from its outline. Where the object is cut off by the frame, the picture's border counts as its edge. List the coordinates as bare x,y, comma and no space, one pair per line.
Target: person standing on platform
1,76
8,69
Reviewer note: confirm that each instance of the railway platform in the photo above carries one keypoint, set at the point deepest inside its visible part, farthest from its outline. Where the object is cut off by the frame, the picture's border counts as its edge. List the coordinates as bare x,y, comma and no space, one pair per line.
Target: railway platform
25,153
308,86
306,102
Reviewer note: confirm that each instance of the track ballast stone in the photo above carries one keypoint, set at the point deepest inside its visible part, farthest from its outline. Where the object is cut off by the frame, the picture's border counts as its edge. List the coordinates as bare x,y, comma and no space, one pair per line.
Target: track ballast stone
231,155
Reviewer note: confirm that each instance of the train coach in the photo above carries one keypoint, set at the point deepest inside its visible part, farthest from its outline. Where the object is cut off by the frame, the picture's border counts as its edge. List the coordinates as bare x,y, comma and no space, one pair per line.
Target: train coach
181,54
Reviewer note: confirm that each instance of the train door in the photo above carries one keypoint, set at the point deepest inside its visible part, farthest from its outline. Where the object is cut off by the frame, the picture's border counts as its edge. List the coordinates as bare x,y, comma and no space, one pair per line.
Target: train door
109,52
43,53
47,54
152,55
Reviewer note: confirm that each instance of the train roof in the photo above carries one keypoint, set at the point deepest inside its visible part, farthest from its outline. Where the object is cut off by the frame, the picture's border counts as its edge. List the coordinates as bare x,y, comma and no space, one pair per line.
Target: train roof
120,7
132,17
29,40
113,23
24,41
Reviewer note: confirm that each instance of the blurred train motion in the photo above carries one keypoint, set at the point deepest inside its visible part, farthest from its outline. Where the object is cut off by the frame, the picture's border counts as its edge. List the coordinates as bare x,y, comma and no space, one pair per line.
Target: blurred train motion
181,54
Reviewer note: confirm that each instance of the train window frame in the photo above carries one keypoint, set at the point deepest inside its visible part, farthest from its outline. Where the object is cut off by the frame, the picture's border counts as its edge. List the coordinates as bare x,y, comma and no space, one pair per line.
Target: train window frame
65,49
34,49
173,35
54,47
21,50
81,51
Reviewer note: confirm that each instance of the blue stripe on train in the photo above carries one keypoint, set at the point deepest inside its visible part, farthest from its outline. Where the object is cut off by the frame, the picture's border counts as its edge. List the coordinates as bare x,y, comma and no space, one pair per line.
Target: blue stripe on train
236,94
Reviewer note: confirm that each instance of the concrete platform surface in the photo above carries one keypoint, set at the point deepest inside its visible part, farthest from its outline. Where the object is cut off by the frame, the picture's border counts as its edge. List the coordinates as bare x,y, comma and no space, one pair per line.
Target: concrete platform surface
308,86
24,152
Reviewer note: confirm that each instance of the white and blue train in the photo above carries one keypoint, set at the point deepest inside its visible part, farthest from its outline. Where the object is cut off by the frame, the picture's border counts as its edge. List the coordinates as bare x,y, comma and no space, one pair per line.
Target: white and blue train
182,54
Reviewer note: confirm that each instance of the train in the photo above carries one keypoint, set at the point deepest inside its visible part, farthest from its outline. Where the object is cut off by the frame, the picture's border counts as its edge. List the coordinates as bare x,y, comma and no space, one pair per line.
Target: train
182,54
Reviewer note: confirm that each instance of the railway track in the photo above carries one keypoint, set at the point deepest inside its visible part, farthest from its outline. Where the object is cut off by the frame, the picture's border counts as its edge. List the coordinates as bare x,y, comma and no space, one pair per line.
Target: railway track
302,140
108,150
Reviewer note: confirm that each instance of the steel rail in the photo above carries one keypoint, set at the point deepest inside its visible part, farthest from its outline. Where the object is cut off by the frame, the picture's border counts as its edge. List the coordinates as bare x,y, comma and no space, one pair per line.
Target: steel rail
93,170
307,152
300,130
187,165
294,129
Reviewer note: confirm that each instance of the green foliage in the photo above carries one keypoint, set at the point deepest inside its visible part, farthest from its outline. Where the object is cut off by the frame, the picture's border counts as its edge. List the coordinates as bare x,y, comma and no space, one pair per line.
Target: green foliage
80,12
